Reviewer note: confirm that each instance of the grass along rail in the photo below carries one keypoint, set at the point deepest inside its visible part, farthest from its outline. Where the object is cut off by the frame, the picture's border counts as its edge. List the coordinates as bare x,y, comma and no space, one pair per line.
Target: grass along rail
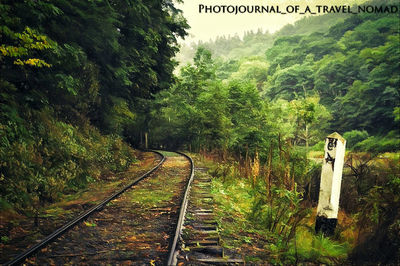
197,229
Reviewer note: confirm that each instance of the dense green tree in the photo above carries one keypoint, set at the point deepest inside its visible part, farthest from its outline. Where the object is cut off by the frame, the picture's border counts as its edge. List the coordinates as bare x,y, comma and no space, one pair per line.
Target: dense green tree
333,74
311,119
196,106
247,112
356,78
288,82
370,104
68,65
252,70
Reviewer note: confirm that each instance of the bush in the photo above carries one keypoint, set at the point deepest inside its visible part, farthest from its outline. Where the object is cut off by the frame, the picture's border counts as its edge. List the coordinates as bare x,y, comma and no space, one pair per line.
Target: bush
380,221
388,143
42,157
318,146
279,213
317,249
354,137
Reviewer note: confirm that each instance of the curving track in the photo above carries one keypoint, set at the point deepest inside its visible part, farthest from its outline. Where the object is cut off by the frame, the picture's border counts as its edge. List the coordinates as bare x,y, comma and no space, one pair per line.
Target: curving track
136,225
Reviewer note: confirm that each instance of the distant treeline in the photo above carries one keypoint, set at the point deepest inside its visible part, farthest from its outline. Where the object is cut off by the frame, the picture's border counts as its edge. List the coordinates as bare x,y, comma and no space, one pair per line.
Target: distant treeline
255,43
349,63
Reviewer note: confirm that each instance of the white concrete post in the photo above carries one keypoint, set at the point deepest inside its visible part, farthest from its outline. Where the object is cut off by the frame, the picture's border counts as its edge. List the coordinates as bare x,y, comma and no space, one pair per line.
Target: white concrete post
331,179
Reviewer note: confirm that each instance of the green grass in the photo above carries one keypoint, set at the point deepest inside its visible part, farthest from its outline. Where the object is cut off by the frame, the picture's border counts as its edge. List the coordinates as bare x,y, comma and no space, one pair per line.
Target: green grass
317,248
148,198
169,153
233,207
55,212
155,192
234,200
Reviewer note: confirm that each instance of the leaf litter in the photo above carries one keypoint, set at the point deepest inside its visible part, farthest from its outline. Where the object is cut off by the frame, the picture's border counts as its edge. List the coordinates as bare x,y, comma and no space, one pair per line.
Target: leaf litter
134,229
21,231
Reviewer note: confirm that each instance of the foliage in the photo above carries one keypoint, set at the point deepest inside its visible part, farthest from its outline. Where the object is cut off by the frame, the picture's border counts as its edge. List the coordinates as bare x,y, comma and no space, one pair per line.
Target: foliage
21,45
319,146
67,66
253,70
264,111
331,85
317,249
344,75
371,195
280,212
380,218
195,107
354,137
98,51
311,118
254,43
390,142
350,82
44,158
267,228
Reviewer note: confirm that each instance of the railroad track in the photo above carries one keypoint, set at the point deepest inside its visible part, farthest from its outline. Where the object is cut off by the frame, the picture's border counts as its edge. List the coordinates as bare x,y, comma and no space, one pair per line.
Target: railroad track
133,226
197,238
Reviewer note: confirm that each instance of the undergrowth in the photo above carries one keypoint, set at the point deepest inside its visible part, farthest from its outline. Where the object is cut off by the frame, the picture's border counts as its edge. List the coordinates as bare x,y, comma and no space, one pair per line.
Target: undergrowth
268,229
42,158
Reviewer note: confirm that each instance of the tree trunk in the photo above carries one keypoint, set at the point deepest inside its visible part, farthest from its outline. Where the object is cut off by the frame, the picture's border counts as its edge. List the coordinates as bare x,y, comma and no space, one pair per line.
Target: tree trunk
146,140
268,176
246,163
306,138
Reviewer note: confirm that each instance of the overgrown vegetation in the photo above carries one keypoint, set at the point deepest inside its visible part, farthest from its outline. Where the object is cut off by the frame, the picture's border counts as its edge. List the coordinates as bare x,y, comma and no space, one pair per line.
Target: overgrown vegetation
344,80
49,157
269,222
276,228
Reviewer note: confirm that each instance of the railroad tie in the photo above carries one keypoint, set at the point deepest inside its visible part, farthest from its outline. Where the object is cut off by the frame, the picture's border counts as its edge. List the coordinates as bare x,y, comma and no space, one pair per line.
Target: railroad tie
200,243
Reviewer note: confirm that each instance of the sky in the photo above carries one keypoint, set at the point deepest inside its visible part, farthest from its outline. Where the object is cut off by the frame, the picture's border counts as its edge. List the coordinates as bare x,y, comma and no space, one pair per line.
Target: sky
206,26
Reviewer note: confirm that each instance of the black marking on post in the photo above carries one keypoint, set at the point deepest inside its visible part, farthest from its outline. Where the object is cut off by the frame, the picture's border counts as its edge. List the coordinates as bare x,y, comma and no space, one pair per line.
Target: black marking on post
332,143
330,160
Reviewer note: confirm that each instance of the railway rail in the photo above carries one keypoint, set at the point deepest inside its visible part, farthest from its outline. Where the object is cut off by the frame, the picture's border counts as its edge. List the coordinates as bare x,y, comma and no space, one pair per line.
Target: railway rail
197,236
19,259
178,231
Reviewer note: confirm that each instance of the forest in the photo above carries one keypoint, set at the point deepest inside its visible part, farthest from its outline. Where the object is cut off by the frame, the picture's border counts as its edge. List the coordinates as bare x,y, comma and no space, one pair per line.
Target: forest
82,82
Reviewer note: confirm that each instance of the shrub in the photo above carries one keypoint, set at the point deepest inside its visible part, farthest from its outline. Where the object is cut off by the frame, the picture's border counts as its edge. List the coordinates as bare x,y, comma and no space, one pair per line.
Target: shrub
280,213
319,146
316,248
388,143
42,157
354,137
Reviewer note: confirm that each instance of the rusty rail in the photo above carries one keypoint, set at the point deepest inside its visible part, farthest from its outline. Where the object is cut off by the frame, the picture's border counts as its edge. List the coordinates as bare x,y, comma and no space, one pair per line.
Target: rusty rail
29,252
173,252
